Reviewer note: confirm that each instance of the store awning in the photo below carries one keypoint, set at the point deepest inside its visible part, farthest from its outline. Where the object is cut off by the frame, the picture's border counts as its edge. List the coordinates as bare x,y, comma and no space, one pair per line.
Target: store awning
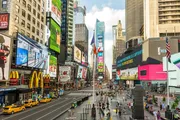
7,89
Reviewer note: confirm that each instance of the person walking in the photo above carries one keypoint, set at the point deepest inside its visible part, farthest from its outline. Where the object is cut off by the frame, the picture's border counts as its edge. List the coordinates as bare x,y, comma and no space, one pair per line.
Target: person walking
119,111
158,116
160,106
93,112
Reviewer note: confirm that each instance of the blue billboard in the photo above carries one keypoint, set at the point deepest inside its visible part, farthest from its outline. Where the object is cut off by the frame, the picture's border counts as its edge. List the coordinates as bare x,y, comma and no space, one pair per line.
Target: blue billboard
31,53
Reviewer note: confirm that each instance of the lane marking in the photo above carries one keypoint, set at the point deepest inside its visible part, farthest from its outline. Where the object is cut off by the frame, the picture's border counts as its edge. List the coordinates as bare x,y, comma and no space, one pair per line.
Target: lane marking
42,110
34,108
60,114
53,111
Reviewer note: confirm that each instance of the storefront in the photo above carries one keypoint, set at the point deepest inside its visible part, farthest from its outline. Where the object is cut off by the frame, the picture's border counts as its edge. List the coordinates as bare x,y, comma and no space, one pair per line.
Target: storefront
8,96
152,77
24,93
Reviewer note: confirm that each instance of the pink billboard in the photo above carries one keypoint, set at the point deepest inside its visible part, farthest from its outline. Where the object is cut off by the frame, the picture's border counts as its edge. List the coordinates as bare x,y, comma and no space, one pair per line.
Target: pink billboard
100,59
151,72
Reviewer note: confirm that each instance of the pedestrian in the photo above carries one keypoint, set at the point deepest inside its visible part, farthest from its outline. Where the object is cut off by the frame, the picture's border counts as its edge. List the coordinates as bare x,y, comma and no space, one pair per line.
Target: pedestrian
160,106
158,116
93,112
163,106
155,115
116,109
119,110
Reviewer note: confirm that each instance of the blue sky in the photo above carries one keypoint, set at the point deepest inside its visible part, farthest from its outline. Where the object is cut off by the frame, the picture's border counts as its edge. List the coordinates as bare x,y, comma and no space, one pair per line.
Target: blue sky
109,11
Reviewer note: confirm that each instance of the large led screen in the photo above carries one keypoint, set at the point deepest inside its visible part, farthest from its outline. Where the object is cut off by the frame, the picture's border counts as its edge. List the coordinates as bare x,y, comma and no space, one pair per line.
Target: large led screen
31,53
53,66
55,38
79,75
77,55
4,56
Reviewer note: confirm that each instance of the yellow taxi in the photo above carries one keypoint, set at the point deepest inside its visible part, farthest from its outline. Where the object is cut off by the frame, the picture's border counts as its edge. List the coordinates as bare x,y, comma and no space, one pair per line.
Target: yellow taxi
45,100
13,109
30,103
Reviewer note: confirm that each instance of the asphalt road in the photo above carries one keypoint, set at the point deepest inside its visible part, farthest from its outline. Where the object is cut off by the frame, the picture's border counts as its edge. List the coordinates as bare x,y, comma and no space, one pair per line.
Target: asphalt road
46,111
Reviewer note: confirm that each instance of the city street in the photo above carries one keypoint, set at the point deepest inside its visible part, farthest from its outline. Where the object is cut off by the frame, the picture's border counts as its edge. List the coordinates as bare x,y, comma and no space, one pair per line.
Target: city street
47,111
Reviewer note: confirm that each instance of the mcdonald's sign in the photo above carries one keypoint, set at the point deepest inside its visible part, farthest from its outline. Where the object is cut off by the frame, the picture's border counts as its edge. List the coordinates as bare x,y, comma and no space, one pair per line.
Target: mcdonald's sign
14,78
36,77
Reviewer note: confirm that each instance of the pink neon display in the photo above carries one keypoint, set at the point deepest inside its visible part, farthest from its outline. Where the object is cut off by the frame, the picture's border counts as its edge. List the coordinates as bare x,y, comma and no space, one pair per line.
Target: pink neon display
151,72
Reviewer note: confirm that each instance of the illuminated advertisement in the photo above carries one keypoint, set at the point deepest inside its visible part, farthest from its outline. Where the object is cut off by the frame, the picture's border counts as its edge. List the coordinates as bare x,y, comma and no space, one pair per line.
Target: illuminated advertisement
77,55
83,58
118,75
84,73
100,54
101,64
130,60
100,59
100,70
175,59
4,21
31,53
54,6
65,73
4,56
80,69
52,66
128,74
55,38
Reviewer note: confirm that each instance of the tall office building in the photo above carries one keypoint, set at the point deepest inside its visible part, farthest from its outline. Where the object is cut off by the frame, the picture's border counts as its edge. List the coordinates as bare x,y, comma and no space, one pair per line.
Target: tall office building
161,17
67,30
134,18
119,44
99,33
27,17
81,32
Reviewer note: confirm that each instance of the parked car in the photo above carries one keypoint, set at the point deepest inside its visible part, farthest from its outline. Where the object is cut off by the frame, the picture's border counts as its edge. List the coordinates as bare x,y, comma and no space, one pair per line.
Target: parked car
13,109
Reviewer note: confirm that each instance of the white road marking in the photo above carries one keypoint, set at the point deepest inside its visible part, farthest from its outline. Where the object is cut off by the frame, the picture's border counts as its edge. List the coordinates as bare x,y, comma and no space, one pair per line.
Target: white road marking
34,108
41,110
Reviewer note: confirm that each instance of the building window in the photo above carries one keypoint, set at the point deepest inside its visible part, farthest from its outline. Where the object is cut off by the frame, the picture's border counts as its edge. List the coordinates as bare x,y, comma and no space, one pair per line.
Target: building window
23,23
23,13
34,12
24,3
33,37
28,35
38,16
42,19
29,7
41,41
34,21
4,3
38,24
34,3
42,27
33,29
22,31
37,39
39,8
17,19
29,17
17,9
37,32
28,26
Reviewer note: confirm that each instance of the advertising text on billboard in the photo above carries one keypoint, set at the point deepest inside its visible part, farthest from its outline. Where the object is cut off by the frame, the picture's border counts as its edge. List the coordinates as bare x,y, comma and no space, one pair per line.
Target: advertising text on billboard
52,66
77,55
65,73
4,21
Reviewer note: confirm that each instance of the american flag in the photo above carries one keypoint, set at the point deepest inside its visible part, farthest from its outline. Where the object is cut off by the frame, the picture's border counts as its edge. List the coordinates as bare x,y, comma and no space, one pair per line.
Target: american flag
168,52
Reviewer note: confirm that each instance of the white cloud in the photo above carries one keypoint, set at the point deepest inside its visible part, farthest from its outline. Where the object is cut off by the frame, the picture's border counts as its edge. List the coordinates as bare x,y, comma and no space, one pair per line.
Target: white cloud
110,16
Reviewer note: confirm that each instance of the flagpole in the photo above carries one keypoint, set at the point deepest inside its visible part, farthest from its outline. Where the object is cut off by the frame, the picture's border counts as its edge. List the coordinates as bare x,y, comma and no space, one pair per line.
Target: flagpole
167,75
94,72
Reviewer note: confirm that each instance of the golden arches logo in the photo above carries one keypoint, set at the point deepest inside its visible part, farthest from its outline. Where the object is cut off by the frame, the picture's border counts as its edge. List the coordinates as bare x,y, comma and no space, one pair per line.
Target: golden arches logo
37,77
14,75
47,76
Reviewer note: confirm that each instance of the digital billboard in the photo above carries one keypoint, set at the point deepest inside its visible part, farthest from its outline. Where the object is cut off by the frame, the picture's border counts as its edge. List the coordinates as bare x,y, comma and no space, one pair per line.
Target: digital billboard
100,54
54,6
31,53
84,72
128,74
52,66
130,60
100,59
4,56
65,73
4,21
83,58
80,69
55,37
77,55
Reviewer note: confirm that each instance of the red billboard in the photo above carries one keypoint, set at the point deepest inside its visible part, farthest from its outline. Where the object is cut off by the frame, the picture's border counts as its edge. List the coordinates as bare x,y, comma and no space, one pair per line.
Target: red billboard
4,21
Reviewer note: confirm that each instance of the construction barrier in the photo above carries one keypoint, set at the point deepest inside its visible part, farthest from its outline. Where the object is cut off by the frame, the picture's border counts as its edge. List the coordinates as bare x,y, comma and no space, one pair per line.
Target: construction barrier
36,77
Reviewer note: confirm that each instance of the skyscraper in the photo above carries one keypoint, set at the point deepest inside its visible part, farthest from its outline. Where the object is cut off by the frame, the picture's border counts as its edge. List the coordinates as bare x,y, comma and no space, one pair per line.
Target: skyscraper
99,33
67,30
161,17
